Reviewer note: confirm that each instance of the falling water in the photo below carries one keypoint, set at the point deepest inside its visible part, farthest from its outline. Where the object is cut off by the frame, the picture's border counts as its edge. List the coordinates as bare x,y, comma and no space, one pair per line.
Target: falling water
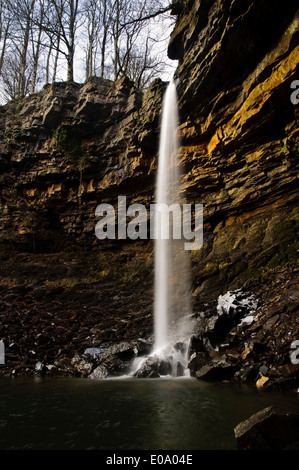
172,303
172,290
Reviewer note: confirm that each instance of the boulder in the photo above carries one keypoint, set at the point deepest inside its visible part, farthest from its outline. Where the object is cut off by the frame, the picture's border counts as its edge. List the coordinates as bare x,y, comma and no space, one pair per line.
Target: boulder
197,361
154,366
216,372
220,318
99,372
114,360
124,350
146,372
82,365
269,429
94,352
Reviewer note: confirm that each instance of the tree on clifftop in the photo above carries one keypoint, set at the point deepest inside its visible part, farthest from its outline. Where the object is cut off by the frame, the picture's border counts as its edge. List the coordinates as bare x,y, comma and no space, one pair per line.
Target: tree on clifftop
42,41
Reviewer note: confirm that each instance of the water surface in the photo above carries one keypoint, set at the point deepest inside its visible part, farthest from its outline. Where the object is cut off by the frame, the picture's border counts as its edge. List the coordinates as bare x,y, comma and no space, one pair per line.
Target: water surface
125,414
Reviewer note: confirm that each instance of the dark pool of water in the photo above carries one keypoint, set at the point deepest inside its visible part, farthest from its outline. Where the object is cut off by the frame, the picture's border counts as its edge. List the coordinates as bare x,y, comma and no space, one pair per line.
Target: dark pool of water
125,414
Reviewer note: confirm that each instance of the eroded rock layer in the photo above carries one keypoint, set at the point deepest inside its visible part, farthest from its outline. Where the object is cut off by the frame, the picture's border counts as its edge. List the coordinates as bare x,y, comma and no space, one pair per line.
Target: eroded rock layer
237,62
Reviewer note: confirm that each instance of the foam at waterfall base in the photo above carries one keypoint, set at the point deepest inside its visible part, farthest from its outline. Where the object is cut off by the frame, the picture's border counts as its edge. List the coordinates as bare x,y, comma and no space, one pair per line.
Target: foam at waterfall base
168,361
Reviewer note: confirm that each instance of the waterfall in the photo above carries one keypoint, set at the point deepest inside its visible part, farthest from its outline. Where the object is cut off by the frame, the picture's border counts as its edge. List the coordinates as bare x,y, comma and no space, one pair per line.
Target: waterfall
172,289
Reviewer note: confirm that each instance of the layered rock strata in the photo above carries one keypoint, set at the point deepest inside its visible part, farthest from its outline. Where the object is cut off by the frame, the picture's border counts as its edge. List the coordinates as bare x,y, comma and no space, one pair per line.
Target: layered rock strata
69,148
237,63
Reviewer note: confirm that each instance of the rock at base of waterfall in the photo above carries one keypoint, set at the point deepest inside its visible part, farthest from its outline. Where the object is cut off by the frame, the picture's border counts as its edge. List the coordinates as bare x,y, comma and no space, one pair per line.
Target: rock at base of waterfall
99,372
170,362
154,367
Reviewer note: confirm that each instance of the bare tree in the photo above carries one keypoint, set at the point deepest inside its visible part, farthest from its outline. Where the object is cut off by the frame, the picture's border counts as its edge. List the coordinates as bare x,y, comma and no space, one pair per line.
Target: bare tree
9,76
60,23
154,8
5,25
92,13
21,11
117,37
106,18
98,14
144,67
134,36
27,15
36,44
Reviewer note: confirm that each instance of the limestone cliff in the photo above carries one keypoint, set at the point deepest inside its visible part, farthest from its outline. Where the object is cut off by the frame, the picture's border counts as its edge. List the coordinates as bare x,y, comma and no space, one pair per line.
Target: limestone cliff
71,147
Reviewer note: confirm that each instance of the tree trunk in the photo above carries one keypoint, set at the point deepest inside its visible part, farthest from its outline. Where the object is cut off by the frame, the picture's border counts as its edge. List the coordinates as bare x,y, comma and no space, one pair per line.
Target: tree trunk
71,40
56,60
48,62
104,39
4,40
115,40
89,58
23,62
70,64
36,56
23,58
103,51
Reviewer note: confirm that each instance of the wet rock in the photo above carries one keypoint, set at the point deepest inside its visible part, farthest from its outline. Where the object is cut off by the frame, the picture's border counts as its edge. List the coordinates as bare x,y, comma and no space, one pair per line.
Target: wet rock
124,350
270,429
179,370
94,352
240,157
216,331
263,369
63,367
281,384
221,318
85,364
113,364
100,372
197,361
247,374
154,367
196,344
113,360
261,382
40,368
160,366
146,372
81,365
180,347
144,346
216,372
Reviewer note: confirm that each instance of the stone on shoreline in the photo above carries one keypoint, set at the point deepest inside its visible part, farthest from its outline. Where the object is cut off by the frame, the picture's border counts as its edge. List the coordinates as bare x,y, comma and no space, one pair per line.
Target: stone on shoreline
269,429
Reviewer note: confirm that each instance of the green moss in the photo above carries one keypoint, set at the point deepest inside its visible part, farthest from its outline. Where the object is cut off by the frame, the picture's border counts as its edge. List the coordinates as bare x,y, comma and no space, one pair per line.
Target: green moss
69,147
294,212
66,144
285,256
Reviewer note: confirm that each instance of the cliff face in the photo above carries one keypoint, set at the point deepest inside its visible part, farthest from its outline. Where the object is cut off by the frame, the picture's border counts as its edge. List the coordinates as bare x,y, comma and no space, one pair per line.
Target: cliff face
67,149
237,61
71,147
63,152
